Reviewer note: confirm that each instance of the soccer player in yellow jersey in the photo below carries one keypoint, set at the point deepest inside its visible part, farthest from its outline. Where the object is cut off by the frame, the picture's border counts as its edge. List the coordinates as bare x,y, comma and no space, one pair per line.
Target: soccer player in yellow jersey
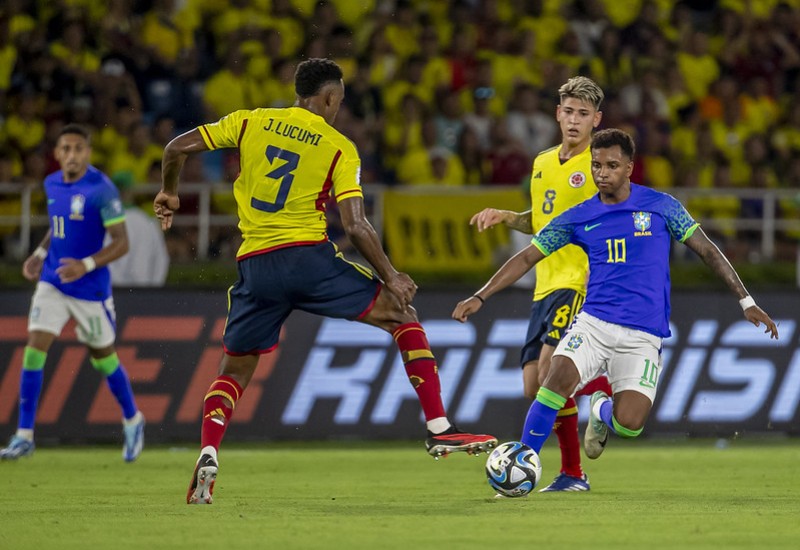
292,161
561,178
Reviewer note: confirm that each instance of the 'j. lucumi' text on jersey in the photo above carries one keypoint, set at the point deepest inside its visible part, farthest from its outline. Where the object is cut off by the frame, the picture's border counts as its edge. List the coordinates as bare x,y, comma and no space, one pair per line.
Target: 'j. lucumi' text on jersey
79,213
291,162
555,187
628,248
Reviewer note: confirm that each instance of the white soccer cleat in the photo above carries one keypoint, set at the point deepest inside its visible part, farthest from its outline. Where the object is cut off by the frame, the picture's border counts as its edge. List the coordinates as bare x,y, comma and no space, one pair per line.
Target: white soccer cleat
134,437
596,436
202,485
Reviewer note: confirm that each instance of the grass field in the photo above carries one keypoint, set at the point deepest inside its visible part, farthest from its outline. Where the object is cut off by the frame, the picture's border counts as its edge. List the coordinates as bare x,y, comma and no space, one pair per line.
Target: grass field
667,494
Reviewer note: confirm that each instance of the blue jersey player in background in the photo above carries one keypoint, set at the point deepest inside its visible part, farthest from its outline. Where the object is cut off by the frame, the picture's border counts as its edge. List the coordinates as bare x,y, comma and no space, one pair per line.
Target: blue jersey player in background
74,282
626,231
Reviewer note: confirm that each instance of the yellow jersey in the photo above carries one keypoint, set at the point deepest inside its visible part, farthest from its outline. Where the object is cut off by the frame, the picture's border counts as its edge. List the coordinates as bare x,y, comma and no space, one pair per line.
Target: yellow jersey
291,162
556,187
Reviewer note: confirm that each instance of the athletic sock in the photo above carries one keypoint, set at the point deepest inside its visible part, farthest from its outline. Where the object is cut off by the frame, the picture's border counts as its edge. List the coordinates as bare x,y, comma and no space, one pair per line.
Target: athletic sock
606,413
216,412
30,387
421,369
598,384
541,417
118,383
566,428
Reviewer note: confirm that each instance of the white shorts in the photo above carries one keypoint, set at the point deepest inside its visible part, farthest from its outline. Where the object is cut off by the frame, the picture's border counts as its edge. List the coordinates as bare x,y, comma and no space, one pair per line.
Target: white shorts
631,358
51,309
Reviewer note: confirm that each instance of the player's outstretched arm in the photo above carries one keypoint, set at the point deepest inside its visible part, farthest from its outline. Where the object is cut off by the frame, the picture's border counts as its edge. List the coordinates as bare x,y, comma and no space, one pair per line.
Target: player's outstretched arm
512,270
365,239
32,267
719,264
166,202
489,217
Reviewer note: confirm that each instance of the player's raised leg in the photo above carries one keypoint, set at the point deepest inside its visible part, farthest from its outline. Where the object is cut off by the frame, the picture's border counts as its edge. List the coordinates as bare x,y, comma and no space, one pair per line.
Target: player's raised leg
443,436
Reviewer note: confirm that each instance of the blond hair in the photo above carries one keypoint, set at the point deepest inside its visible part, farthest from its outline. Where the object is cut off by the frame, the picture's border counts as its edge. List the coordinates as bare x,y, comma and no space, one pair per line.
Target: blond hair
583,88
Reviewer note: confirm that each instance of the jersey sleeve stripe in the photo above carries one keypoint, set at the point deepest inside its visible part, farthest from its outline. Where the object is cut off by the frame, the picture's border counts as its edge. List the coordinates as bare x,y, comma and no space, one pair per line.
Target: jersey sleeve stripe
690,232
241,135
325,193
350,192
113,221
207,137
540,246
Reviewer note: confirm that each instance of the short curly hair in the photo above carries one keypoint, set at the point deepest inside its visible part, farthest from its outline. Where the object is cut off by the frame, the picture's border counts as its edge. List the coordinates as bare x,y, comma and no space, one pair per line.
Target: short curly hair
605,139
312,74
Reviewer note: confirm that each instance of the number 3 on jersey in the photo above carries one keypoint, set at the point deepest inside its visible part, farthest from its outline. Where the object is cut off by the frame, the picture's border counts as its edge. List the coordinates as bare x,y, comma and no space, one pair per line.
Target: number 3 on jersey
283,173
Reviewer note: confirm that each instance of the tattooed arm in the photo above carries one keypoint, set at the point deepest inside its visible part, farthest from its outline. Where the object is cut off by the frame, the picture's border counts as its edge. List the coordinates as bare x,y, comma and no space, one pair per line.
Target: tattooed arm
719,264
489,217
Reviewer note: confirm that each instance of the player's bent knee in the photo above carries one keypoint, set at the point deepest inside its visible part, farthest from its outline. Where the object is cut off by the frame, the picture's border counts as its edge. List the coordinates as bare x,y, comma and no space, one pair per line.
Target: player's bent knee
627,427
106,365
33,359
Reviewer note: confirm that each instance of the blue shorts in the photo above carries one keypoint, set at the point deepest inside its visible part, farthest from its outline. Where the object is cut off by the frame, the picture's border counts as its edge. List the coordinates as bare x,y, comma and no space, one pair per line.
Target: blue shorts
550,318
313,278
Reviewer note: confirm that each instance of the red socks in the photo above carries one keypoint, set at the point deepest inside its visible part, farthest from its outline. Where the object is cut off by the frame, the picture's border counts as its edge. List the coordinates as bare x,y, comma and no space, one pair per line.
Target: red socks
216,412
598,384
566,428
421,368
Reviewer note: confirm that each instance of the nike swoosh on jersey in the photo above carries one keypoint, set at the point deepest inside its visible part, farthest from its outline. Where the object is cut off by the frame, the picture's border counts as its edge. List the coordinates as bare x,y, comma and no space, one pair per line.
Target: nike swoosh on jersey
588,227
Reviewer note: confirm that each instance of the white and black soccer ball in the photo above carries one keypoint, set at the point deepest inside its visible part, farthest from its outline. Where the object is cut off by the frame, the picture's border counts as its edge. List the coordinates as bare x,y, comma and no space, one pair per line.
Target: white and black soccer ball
513,469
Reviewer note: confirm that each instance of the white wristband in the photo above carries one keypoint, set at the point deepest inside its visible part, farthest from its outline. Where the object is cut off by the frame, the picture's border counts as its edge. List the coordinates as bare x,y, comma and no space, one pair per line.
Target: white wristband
89,263
40,253
747,302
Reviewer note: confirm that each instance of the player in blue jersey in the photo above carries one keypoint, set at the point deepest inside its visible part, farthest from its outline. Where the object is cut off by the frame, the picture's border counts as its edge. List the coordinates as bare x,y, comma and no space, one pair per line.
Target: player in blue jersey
74,282
626,231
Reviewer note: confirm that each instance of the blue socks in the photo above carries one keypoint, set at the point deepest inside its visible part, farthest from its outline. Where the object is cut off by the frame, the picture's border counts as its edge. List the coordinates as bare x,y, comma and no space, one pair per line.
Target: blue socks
30,386
541,417
120,386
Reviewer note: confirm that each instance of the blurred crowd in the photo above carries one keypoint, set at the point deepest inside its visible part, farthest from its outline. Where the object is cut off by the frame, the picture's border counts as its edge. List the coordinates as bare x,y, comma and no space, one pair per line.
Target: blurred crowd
458,92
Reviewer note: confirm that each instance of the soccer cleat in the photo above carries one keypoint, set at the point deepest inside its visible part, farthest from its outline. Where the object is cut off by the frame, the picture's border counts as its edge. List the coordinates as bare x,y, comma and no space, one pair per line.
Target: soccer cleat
563,482
17,447
453,440
596,436
134,438
202,486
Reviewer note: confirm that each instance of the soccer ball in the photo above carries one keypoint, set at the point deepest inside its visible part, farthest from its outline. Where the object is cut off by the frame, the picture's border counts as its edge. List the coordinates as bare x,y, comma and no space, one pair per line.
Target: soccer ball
513,469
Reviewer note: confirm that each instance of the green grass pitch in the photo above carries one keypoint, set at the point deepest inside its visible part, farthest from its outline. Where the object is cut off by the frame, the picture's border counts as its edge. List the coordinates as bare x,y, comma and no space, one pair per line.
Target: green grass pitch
646,494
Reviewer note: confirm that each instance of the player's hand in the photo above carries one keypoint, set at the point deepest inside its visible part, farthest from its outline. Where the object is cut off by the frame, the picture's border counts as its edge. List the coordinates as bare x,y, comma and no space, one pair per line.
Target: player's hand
70,270
756,315
165,206
486,218
32,268
465,308
403,287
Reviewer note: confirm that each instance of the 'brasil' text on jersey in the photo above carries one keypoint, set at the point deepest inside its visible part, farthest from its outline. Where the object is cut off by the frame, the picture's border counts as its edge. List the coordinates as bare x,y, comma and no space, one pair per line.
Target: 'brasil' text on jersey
628,247
79,213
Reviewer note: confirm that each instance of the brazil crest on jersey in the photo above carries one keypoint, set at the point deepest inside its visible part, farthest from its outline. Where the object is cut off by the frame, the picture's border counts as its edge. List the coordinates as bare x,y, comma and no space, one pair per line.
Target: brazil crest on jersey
79,213
291,162
556,187
628,247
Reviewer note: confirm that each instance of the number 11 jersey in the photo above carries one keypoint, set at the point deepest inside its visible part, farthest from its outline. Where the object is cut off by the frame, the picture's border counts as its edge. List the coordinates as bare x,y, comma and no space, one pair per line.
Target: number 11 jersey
291,161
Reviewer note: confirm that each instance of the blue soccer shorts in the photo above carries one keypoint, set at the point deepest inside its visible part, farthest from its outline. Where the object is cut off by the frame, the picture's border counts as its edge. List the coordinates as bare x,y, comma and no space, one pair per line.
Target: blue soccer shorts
314,278
550,319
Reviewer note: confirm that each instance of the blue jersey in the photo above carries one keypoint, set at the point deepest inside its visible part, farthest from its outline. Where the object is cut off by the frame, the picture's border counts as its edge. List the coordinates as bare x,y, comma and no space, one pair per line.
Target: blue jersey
79,213
628,248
